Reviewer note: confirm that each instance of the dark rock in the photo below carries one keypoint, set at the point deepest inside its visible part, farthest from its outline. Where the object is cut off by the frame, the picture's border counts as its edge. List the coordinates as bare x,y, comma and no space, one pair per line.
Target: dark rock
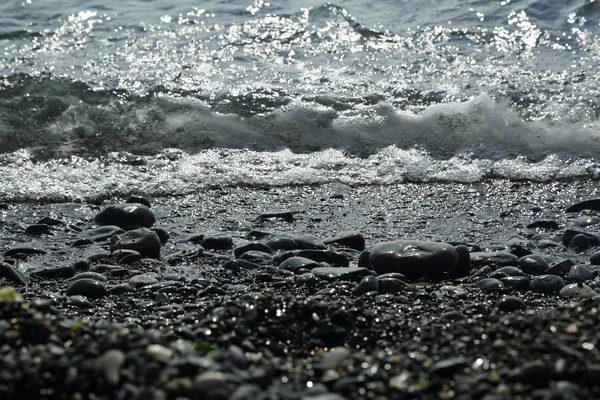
143,240
287,216
577,290
330,333
217,242
547,284
12,273
498,258
489,284
88,288
309,242
51,221
533,264
393,286
307,279
281,243
561,268
240,264
511,271
595,258
143,280
102,233
127,216
89,275
511,303
23,251
257,257
593,204
295,263
571,233
329,257
585,221
367,284
138,200
120,289
163,235
580,273
520,283
450,292
82,242
364,260
535,372
448,367
38,229
339,273
413,258
463,266
354,240
126,256
252,246
580,243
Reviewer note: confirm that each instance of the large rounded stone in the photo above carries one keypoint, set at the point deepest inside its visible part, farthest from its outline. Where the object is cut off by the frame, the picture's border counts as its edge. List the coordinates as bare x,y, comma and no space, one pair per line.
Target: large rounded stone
413,258
143,240
87,287
126,216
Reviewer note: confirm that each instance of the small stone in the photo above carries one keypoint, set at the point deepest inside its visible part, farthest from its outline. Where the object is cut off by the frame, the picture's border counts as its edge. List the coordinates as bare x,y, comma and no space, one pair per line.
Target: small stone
544,224
547,284
561,268
332,334
143,240
66,271
329,257
577,290
339,273
497,258
393,286
102,233
451,292
413,258
12,273
139,200
580,273
533,264
511,271
521,283
447,368
489,284
38,229
88,288
580,243
368,284
593,204
569,234
23,251
309,242
354,240
126,216
595,258
143,280
159,352
511,303
335,357
296,263
257,257
89,275
307,279
217,242
281,243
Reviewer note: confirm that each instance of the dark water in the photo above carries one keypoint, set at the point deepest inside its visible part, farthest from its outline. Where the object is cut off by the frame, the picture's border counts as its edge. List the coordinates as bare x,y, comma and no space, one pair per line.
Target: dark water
163,97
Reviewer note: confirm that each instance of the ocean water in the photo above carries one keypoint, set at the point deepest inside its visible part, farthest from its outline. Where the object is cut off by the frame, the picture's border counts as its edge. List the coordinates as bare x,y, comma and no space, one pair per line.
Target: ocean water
107,98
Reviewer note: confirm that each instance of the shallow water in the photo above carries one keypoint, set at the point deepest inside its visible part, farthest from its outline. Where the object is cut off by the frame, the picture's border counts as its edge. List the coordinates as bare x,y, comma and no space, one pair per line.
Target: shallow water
287,93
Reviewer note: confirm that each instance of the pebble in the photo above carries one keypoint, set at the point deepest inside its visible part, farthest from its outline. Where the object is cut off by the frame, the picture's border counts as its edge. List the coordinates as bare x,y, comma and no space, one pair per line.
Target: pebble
66,271
309,242
38,229
595,258
126,216
89,275
222,242
393,286
142,240
511,303
23,251
339,273
580,273
87,287
296,263
281,243
520,283
143,280
354,240
498,258
307,279
327,256
366,285
110,365
580,243
548,284
511,271
12,273
413,258
593,204
451,291
577,290
490,284
571,233
257,257
102,233
533,264
139,200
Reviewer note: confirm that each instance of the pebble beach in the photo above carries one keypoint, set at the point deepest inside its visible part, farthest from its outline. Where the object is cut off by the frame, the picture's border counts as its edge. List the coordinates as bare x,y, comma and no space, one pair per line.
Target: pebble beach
484,290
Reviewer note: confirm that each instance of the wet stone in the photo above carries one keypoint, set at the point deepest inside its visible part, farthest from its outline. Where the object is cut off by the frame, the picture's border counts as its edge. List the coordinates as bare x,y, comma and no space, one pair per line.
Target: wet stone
580,243
547,284
217,242
89,275
139,200
490,284
451,291
366,285
252,246
498,258
87,287
143,280
307,279
570,234
520,283
329,257
102,233
256,257
143,240
580,273
393,286
354,240
339,273
511,303
577,290
24,251
561,268
413,258
511,271
533,264
296,263
281,243
58,272
38,229
126,216
309,242
12,274
595,258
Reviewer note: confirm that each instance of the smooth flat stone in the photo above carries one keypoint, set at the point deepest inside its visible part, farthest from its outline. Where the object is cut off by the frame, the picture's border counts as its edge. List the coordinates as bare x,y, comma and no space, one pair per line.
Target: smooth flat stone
296,263
547,284
12,273
143,240
340,273
87,287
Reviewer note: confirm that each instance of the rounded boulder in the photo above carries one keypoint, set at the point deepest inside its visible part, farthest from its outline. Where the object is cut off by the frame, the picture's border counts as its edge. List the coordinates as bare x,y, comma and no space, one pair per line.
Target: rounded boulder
413,258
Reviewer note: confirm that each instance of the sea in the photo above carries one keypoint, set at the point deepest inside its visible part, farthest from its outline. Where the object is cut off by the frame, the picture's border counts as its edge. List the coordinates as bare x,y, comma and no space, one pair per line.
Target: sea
107,98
